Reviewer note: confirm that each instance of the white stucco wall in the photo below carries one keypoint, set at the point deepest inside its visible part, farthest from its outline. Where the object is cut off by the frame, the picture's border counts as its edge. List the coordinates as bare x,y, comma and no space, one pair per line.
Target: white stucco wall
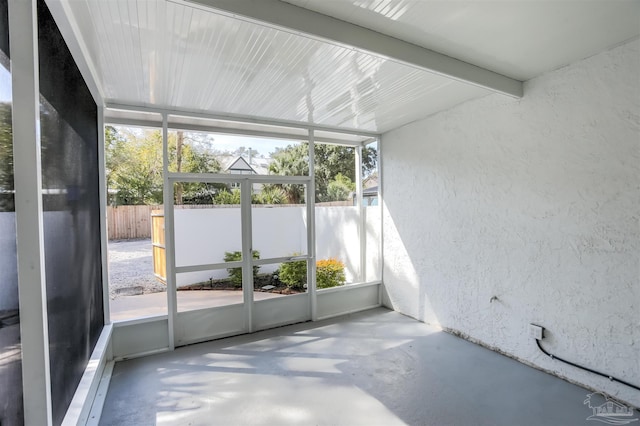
536,202
8,262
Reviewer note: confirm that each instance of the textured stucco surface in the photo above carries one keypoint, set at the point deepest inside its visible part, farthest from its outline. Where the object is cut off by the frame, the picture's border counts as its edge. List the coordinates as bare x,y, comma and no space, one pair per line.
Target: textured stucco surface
534,201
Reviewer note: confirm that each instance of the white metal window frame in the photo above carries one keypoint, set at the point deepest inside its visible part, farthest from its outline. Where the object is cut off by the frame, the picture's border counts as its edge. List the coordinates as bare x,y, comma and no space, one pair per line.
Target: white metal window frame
171,177
247,262
25,94
34,336
115,338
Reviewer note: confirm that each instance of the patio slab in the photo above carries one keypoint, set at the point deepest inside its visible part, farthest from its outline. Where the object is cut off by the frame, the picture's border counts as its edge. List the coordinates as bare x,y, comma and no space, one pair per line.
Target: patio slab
372,368
144,305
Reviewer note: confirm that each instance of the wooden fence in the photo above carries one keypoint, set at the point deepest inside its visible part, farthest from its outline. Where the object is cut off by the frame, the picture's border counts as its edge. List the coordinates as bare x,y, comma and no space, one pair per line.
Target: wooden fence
129,222
158,245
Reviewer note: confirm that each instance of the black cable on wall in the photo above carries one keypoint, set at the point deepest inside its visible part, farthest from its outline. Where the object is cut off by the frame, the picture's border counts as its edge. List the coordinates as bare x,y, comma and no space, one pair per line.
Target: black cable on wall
613,379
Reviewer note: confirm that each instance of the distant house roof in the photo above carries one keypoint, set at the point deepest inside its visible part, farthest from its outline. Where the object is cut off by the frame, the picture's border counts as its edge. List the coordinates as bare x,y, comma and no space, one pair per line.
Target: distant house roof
261,165
370,192
241,165
371,181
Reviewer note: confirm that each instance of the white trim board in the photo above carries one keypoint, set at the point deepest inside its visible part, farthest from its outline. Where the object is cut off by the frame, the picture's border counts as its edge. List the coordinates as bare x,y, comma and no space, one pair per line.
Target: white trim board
80,407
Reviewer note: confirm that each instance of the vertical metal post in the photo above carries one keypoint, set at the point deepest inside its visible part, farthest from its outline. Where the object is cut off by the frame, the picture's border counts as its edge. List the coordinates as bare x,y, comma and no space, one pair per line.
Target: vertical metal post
104,231
169,236
311,230
34,332
361,214
247,252
381,224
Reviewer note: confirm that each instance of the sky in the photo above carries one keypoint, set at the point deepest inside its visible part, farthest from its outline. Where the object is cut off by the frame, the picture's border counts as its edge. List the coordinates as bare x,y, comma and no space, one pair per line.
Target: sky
222,142
5,85
264,146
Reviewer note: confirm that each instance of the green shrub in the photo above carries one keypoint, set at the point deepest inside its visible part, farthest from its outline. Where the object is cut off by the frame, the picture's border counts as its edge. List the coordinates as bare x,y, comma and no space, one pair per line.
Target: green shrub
329,273
236,273
294,274
340,188
226,197
272,194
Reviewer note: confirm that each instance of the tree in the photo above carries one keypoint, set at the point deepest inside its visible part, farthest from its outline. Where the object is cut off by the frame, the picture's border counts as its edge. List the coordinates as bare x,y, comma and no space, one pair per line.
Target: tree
179,185
330,161
226,197
6,158
114,155
194,155
334,160
272,194
134,166
291,161
340,188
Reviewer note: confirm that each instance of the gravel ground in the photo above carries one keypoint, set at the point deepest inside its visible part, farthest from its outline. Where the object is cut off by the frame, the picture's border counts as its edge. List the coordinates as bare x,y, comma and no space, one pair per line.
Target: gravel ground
131,269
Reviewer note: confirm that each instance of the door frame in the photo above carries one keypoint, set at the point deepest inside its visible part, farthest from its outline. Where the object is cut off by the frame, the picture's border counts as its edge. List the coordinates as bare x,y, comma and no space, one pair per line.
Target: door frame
154,334
177,319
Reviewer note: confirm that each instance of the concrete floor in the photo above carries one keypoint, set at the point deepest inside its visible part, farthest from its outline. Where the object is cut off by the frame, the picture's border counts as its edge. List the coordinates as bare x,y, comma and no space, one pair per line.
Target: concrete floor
143,305
11,410
372,368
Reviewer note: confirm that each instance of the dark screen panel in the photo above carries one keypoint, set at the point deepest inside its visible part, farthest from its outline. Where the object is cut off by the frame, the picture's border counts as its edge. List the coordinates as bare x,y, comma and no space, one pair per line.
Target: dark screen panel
11,407
73,260
4,27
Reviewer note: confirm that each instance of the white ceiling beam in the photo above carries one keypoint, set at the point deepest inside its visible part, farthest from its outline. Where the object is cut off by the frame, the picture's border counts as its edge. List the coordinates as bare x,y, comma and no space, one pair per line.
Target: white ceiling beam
233,117
287,17
68,27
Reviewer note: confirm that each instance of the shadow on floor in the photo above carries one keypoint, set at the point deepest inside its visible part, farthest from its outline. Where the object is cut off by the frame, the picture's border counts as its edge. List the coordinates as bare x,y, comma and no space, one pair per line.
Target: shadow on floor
372,368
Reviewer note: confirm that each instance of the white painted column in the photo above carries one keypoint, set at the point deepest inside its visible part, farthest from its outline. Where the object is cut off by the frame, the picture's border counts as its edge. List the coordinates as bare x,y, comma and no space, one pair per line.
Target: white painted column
169,237
361,214
34,333
104,232
247,252
381,224
311,230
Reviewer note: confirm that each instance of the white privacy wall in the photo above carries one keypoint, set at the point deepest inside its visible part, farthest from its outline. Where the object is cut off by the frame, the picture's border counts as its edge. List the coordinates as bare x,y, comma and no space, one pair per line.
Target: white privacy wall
535,202
202,236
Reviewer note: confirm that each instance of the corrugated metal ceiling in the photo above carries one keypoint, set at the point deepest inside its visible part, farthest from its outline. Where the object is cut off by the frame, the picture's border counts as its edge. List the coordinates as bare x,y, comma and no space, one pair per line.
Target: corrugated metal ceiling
520,39
160,53
176,56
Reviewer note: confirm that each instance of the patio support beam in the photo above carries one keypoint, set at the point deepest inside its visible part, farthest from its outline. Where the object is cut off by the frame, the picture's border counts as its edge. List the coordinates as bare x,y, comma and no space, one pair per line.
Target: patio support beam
104,231
231,117
311,230
287,17
361,215
169,236
247,252
381,224
32,289
61,12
